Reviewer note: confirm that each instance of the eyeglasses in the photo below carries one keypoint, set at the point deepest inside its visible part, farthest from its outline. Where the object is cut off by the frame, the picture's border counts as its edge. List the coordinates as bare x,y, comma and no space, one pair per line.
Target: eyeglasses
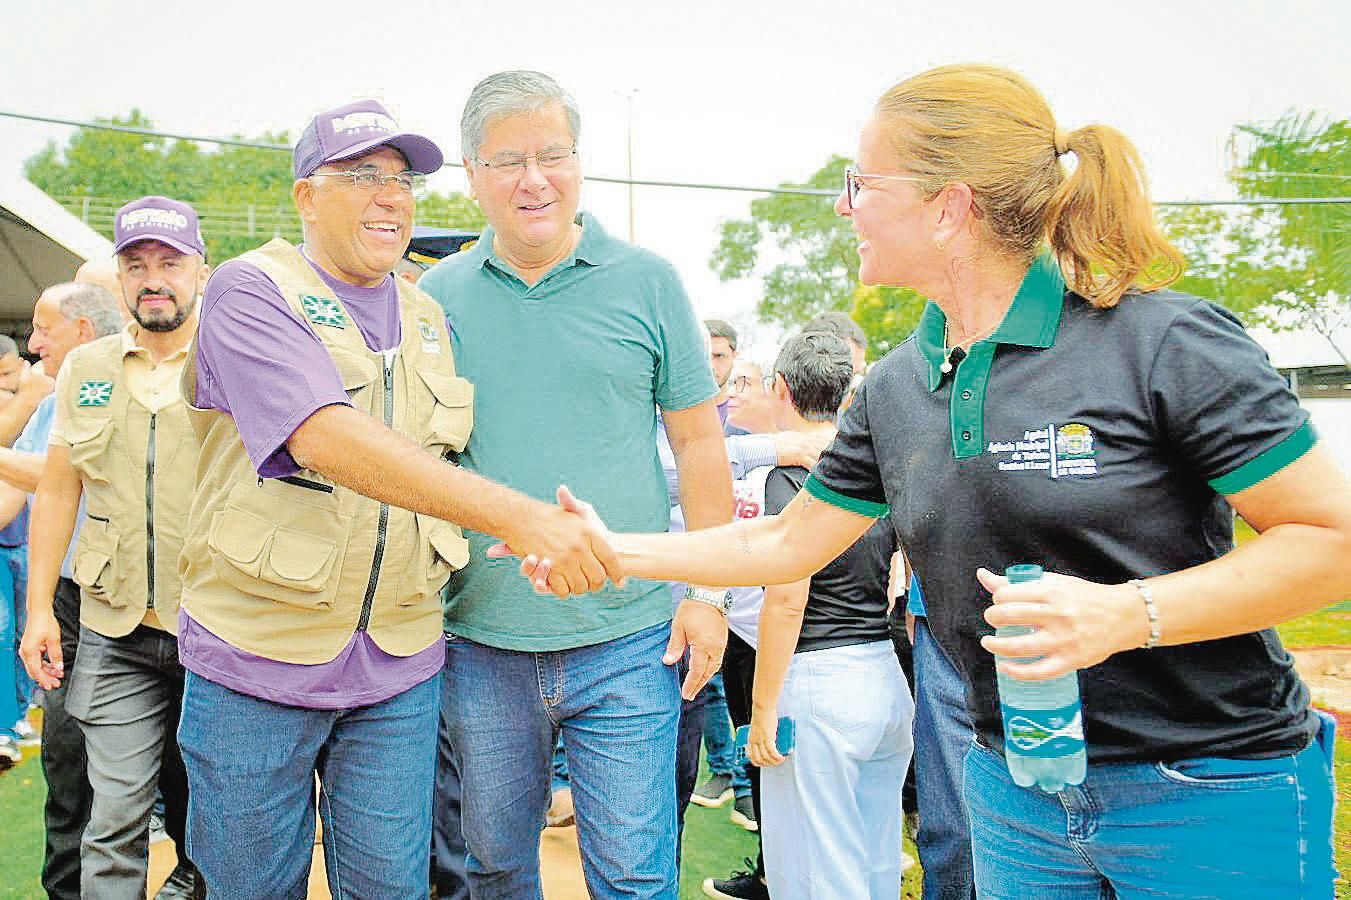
854,183
743,383
515,163
369,178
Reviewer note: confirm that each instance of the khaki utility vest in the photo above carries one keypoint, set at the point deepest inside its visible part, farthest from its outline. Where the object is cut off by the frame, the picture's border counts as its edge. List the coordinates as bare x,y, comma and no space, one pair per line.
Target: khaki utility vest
137,472
290,568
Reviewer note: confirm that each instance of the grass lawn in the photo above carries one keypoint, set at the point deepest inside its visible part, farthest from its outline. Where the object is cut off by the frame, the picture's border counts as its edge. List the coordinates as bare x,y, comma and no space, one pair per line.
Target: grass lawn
22,790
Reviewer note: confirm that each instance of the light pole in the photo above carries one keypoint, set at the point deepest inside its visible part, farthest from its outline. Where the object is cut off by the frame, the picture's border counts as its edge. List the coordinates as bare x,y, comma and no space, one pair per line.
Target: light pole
628,96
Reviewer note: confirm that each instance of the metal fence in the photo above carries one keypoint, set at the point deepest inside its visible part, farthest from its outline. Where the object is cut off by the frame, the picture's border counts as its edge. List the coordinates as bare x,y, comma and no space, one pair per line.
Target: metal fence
237,220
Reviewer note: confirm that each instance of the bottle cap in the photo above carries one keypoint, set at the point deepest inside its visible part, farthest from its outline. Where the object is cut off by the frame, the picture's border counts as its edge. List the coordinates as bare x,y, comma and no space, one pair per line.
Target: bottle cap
1023,572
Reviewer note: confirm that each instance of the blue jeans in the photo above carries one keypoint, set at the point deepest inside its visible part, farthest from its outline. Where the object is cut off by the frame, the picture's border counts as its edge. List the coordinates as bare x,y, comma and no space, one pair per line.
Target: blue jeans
942,735
616,706
251,769
16,688
1197,828
559,765
717,729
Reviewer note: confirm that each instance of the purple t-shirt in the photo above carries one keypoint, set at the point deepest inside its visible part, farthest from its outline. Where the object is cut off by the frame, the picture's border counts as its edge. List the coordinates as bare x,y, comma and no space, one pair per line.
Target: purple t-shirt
261,363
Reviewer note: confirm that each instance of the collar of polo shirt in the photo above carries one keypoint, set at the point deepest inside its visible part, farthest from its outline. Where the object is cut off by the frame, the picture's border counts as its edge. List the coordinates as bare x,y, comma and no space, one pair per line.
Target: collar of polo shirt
591,250
1032,321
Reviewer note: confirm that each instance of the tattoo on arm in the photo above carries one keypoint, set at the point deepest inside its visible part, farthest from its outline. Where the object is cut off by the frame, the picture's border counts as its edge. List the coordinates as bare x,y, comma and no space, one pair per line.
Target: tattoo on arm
745,539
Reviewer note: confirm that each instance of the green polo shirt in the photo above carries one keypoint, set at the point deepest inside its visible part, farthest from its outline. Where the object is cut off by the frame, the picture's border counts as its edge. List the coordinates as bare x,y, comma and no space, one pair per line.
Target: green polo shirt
568,374
1098,443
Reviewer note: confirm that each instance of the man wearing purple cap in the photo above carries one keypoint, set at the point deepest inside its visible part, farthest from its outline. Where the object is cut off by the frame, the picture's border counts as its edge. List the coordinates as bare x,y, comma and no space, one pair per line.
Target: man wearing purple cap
321,533
121,439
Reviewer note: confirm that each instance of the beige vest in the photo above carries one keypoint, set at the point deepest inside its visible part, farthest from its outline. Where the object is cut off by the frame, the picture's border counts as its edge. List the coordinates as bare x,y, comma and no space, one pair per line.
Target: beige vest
137,470
289,569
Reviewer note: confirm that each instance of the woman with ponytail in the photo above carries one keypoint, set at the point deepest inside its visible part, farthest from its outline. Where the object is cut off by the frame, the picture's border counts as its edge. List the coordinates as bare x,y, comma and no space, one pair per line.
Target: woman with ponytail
1057,405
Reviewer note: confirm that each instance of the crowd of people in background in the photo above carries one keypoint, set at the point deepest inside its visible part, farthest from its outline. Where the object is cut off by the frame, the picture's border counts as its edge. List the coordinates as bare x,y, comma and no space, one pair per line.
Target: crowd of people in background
290,538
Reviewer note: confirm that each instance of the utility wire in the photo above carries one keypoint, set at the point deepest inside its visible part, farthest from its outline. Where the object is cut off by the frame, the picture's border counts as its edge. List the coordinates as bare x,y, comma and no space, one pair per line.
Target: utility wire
782,189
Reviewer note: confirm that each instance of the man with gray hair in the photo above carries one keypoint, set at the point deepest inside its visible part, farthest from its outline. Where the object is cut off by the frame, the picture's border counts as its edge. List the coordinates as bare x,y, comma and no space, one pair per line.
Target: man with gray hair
595,335
65,316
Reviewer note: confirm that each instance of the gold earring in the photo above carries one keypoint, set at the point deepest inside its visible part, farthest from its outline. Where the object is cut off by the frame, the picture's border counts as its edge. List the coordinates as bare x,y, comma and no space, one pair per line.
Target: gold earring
938,242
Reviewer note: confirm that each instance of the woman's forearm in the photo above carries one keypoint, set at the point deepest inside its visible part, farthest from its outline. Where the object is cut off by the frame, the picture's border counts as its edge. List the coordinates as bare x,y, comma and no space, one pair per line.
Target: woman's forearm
779,629
770,550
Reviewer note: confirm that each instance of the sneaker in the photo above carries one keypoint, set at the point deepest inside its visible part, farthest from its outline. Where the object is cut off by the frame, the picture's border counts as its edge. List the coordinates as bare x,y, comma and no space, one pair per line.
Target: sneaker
561,813
743,813
184,883
28,735
714,792
740,886
10,754
157,832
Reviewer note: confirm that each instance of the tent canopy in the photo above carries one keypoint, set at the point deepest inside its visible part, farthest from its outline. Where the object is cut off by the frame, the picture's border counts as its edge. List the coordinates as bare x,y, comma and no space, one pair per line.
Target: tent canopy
41,244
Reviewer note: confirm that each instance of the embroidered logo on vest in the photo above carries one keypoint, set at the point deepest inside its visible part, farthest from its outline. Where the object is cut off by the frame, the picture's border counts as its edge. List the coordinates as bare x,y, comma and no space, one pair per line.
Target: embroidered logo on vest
323,311
95,393
427,330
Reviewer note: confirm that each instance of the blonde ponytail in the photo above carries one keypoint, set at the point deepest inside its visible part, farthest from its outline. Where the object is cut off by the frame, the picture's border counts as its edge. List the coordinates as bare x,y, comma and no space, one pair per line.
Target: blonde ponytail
1100,223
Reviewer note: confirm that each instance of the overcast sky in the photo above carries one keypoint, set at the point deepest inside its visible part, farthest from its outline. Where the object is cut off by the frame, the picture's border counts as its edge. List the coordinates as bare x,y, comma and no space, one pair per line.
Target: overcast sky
728,92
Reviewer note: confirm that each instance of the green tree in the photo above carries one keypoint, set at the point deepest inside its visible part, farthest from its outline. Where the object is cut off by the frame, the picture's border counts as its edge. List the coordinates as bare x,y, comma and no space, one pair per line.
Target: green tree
243,194
888,315
817,267
1281,267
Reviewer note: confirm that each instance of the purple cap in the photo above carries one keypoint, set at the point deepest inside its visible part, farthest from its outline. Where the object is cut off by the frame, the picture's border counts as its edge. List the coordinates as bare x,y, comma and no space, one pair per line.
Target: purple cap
356,128
158,219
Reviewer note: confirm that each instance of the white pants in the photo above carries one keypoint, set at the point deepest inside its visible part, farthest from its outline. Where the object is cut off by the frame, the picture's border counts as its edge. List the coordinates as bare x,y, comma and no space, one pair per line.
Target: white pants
831,812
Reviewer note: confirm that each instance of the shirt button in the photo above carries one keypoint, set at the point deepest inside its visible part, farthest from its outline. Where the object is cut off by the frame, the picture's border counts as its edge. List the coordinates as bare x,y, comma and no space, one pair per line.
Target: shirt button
966,435
966,395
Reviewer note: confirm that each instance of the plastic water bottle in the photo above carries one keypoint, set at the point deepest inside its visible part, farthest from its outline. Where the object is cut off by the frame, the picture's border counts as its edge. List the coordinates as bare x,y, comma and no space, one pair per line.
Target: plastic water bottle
1043,721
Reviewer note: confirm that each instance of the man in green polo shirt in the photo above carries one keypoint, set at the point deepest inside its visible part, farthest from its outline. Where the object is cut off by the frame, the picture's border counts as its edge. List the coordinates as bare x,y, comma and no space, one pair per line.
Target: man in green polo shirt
573,340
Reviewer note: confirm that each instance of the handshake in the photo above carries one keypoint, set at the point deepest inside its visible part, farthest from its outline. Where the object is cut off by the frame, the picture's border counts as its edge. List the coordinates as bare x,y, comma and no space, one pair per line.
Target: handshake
565,549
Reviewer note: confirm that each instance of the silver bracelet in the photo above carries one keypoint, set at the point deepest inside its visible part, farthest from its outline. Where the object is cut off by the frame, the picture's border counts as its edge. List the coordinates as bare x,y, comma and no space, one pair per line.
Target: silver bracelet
1151,611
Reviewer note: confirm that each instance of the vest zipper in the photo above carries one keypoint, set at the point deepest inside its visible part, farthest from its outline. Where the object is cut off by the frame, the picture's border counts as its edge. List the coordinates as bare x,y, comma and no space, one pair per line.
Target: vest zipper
305,483
150,516
383,525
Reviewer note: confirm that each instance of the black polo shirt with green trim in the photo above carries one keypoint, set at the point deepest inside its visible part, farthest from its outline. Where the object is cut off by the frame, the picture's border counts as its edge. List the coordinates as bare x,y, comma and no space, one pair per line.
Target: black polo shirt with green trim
1098,443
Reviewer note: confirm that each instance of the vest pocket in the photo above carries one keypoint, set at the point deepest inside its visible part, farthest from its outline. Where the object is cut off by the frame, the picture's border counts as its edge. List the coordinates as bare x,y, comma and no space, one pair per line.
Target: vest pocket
356,371
89,438
264,559
452,413
95,569
444,550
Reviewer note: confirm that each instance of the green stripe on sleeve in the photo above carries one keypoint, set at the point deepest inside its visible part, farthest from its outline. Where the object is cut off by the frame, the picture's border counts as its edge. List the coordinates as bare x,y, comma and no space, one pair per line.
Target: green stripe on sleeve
849,504
1267,463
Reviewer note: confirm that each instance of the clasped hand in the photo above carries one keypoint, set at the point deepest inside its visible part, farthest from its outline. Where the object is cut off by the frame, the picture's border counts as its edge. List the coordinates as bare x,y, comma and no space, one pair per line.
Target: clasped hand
697,628
564,549
1076,623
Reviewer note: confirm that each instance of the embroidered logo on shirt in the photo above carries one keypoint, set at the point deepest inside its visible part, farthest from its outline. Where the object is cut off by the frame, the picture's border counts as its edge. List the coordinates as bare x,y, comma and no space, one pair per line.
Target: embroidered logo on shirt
323,311
430,343
95,393
1058,451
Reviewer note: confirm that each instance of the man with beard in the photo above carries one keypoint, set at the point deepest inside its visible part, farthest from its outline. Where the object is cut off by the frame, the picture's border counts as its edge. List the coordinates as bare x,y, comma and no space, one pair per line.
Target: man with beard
121,439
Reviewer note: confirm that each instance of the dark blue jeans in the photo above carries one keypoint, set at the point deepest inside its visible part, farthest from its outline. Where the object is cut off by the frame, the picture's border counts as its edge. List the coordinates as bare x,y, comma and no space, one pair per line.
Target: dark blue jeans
942,735
252,765
616,706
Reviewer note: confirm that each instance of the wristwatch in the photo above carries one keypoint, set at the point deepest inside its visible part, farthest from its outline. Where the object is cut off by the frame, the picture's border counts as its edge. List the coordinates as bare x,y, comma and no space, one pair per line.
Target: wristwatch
719,600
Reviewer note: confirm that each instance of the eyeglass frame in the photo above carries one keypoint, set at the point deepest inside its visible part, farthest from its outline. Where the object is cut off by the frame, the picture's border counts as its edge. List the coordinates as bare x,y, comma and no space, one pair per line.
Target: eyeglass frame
741,382
852,183
520,164
411,183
